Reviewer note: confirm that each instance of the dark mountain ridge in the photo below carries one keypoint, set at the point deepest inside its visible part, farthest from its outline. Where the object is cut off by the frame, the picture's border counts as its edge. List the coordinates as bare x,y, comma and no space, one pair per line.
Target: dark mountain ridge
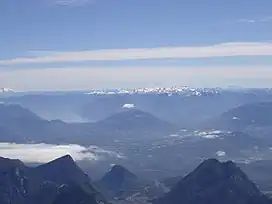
45,184
213,182
118,182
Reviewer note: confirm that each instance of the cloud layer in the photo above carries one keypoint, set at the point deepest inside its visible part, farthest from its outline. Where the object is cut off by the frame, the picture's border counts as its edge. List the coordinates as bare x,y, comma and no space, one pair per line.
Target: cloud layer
72,2
42,153
267,19
218,50
99,77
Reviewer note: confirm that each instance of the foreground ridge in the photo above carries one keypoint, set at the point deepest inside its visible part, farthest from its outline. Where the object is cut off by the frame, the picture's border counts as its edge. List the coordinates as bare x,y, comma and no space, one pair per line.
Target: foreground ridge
213,182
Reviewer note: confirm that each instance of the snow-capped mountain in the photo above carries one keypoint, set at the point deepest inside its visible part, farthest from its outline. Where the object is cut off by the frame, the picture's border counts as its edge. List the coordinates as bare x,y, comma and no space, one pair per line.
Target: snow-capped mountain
184,90
6,90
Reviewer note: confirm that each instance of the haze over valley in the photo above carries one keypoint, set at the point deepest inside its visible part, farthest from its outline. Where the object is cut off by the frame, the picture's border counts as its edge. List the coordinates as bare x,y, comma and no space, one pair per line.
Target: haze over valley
159,134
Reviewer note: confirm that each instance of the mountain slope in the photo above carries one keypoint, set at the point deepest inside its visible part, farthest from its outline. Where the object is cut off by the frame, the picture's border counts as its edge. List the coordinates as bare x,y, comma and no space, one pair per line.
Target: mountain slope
133,123
245,116
118,182
133,118
74,195
12,181
63,171
45,184
213,182
20,125
13,113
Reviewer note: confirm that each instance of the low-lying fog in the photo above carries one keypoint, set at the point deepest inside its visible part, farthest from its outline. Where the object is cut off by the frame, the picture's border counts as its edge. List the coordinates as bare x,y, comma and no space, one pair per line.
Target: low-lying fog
42,153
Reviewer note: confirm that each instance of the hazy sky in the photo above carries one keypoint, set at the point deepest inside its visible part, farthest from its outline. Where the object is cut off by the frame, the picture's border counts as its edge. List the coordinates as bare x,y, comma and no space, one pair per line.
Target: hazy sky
84,44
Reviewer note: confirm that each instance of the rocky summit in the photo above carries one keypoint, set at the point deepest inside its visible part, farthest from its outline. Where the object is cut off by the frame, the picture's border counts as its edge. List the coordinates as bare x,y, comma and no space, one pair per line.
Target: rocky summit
214,182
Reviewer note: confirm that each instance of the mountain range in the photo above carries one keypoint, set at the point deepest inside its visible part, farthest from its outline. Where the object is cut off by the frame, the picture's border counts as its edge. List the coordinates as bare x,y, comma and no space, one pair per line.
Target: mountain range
61,181
181,105
182,90
18,124
225,110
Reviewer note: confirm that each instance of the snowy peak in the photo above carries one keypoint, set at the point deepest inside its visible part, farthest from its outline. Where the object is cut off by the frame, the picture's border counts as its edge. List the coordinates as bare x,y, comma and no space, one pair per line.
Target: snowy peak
183,90
6,90
179,90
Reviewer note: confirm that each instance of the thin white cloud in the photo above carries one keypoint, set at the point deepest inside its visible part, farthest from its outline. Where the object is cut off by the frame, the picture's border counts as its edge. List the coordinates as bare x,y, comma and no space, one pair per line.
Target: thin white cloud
267,19
42,153
246,21
218,50
73,2
78,78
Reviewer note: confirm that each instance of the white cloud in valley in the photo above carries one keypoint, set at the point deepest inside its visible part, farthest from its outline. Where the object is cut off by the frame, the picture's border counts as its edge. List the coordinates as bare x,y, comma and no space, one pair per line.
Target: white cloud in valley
42,153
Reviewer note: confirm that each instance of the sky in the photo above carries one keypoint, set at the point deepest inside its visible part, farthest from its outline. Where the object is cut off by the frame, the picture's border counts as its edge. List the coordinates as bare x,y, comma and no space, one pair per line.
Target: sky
87,44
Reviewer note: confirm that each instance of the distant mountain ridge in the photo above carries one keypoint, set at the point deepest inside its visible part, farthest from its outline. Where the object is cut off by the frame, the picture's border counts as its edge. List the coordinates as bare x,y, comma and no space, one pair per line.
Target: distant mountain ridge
249,115
159,90
134,119
179,90
188,107
20,125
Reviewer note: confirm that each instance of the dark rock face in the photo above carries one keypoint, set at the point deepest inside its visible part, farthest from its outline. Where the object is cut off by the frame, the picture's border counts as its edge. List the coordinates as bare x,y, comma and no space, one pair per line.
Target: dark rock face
74,195
63,171
13,181
50,183
118,182
214,182
63,182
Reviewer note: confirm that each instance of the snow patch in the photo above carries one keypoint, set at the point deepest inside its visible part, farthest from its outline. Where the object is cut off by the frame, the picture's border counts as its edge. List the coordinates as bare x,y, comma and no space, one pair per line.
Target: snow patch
174,135
169,91
221,153
209,134
129,106
6,90
215,132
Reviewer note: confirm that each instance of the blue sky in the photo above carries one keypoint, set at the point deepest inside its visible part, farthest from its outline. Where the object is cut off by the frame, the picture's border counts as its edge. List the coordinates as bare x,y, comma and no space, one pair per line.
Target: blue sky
84,44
